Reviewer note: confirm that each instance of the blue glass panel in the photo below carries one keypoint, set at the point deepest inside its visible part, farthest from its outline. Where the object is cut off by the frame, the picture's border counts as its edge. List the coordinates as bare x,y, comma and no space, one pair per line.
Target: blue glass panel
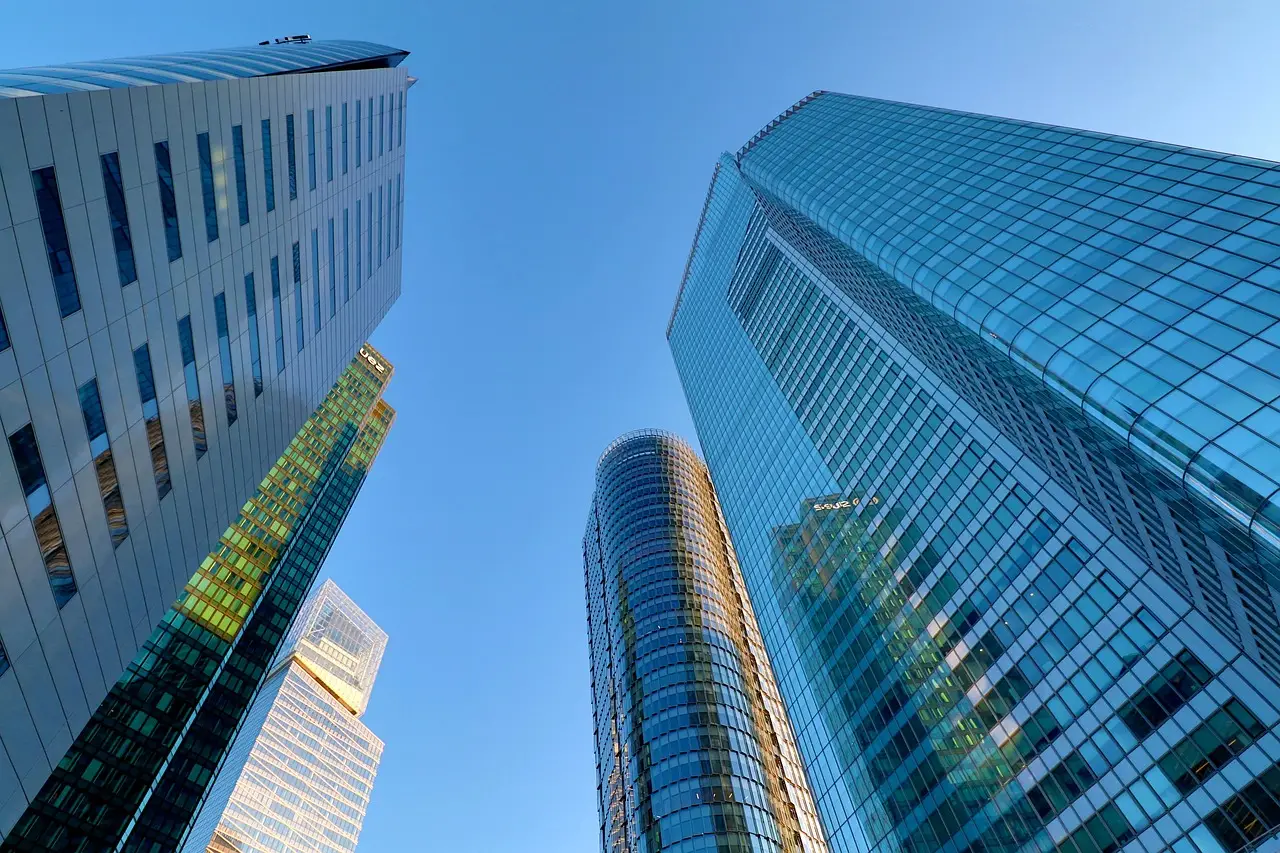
268,170
57,246
242,180
118,215
168,202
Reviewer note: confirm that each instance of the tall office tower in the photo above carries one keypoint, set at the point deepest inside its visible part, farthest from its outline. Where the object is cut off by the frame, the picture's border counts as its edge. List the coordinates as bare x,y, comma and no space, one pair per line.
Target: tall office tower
301,771
693,749
991,410
192,248
138,773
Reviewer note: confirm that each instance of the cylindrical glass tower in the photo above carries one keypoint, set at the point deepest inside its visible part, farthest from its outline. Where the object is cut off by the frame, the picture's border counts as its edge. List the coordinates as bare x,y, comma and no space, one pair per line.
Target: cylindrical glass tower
693,749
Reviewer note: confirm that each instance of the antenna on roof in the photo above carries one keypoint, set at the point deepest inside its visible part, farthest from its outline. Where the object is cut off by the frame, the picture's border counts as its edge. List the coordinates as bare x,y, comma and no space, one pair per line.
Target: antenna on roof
300,39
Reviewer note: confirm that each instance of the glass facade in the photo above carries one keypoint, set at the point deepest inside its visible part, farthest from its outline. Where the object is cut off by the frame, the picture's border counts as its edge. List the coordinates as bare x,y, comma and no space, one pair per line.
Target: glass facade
140,770
989,408
693,749
301,771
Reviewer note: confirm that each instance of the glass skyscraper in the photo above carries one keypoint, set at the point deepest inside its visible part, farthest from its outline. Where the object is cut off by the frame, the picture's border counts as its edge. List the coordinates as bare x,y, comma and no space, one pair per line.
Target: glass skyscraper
991,409
138,773
168,226
300,773
693,748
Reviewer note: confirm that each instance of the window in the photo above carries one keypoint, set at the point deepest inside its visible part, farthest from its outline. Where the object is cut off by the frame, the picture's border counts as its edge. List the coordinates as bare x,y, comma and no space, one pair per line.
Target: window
297,293
293,156
1250,814
95,424
151,415
53,550
328,142
359,281
357,133
4,335
224,355
268,171
206,187
255,345
277,311
242,180
195,408
315,272
379,226
333,273
311,149
56,244
382,112
370,201
399,212
346,255
4,660
400,120
168,203
371,130
390,216
1225,734
118,216
344,138
1162,696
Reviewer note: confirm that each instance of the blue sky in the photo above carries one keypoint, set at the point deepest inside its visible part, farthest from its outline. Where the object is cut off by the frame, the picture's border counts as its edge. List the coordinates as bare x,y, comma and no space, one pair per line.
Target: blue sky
559,154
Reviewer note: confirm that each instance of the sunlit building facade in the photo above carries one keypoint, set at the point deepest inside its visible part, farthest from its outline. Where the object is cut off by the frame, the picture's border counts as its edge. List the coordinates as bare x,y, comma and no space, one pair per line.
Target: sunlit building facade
301,771
693,748
192,248
990,407
140,770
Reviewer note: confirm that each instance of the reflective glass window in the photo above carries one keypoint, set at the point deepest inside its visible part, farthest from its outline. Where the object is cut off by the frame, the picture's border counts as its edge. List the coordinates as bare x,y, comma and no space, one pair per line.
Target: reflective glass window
151,417
290,138
118,216
297,293
168,202
95,424
255,351
53,550
224,355
315,273
242,179
195,408
346,255
344,138
328,142
206,187
277,311
311,149
57,245
268,170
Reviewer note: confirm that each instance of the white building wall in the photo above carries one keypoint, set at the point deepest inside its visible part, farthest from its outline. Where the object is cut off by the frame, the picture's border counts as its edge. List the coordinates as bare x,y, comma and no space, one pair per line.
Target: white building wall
63,661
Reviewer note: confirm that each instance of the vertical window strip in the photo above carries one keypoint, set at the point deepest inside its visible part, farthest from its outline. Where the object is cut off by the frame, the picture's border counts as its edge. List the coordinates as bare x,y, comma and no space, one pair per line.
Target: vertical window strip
118,216
311,149
56,243
346,255
297,294
399,211
35,487
206,187
268,170
390,214
95,425
315,272
359,280
290,138
400,122
168,202
151,418
195,408
371,130
255,344
328,142
242,178
370,202
382,114
358,102
4,660
224,355
344,138
333,273
277,311
380,221
4,334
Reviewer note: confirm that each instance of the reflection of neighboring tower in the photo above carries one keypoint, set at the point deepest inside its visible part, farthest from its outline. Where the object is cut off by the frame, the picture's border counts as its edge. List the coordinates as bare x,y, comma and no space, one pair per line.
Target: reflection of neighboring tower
300,773
693,748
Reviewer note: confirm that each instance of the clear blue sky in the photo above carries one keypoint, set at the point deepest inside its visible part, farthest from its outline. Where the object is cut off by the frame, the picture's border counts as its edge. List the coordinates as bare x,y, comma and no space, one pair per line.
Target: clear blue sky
559,154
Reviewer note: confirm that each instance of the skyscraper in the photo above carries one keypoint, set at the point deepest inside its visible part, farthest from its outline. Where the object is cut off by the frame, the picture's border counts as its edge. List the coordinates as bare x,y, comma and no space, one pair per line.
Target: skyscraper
693,748
301,770
991,410
192,248
139,771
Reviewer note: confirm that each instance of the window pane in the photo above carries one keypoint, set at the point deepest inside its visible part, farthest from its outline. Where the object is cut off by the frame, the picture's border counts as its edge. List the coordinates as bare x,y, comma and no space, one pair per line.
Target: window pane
104,464
191,378
346,255
255,352
382,108
56,244
344,139
315,273
151,414
268,171
206,187
297,292
328,142
278,311
242,180
224,355
168,203
118,216
311,149
333,273
358,133
293,156
26,457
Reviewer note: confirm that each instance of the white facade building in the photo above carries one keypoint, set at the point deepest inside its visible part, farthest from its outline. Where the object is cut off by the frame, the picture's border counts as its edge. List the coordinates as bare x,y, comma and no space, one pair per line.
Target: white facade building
299,775
192,248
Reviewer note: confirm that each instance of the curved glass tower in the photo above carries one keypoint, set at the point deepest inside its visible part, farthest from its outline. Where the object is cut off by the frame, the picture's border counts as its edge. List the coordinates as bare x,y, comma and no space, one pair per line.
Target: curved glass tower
693,749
